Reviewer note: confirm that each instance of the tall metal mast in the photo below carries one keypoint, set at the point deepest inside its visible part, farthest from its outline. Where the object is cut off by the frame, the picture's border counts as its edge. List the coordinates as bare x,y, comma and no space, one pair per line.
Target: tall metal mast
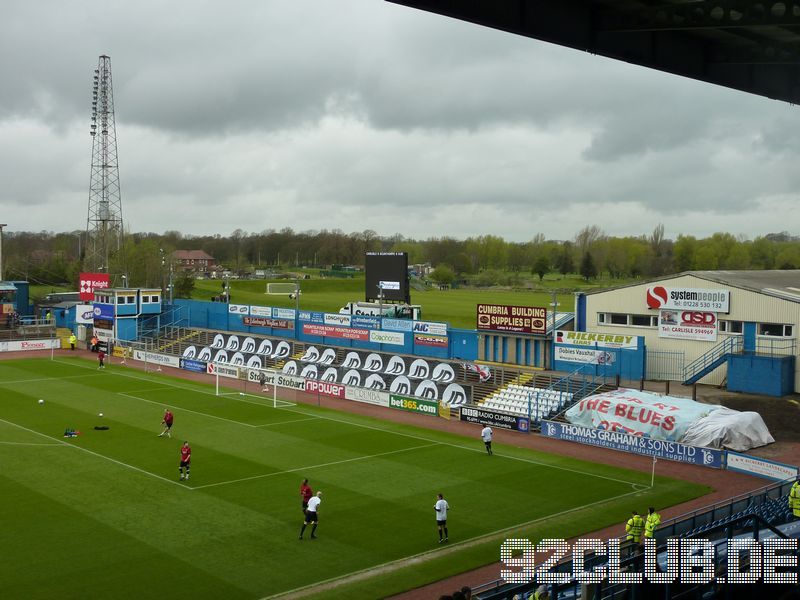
104,222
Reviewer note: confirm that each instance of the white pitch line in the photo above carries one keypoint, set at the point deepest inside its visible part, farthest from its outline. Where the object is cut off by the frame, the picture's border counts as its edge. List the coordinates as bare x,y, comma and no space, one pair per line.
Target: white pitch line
97,454
414,559
46,379
30,444
284,422
409,435
189,410
328,464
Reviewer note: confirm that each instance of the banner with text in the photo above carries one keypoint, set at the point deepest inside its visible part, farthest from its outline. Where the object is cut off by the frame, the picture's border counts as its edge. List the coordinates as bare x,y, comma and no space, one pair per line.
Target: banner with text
687,325
415,405
515,319
615,440
598,340
494,419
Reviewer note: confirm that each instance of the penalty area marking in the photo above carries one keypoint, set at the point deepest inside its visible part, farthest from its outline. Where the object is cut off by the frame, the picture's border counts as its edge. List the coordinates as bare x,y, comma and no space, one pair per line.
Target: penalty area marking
97,454
415,559
328,464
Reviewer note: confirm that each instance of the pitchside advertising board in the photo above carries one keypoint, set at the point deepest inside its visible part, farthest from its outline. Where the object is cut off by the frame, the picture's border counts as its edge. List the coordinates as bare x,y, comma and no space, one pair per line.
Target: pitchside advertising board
675,451
709,300
281,380
687,325
761,467
514,319
494,419
415,405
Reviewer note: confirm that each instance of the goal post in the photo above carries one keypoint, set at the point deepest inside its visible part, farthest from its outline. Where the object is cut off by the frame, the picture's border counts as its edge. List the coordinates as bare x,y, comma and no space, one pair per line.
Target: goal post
266,381
282,289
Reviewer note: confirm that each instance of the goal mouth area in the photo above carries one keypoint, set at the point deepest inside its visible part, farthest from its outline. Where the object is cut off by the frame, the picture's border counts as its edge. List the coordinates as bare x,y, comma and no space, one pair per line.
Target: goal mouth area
282,289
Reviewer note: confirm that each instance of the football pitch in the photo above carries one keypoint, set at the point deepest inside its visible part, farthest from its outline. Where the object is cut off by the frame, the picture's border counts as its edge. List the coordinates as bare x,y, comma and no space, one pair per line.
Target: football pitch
104,514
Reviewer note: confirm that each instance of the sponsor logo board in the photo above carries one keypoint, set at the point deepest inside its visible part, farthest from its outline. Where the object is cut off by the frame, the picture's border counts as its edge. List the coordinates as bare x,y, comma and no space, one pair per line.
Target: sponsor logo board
358,394
154,357
346,333
687,325
283,313
222,370
761,467
89,282
585,355
429,328
494,419
517,319
291,382
261,311
416,405
365,322
323,387
193,365
395,338
27,345
635,444
337,319
312,317
599,340
431,340
238,309
265,322
84,313
389,285
711,300
397,324
103,311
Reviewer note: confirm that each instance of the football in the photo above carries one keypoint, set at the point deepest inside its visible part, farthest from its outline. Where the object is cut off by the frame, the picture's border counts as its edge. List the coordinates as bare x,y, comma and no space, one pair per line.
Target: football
100,414
41,401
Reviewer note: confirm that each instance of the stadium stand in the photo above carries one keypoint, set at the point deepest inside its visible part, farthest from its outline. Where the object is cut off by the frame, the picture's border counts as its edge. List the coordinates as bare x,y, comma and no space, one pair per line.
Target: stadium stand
758,515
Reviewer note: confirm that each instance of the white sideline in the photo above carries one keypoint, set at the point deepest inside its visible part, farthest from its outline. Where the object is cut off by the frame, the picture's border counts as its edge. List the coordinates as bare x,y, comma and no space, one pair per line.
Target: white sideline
409,435
30,444
97,454
47,379
328,464
284,422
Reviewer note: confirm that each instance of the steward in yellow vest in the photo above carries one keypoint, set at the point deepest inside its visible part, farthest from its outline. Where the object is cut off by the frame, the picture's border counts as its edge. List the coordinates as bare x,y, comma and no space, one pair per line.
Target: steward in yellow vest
651,521
634,527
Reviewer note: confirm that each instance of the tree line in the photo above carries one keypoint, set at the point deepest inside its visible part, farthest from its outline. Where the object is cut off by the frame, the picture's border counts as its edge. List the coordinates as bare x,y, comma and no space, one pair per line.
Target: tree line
55,258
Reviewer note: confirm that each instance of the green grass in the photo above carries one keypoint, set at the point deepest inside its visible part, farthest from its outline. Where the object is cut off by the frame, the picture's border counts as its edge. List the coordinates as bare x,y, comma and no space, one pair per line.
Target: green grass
104,515
457,306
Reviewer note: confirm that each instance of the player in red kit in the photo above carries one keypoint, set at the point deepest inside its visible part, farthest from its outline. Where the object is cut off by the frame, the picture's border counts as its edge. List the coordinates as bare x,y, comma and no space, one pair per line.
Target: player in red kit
305,494
167,423
186,460
101,357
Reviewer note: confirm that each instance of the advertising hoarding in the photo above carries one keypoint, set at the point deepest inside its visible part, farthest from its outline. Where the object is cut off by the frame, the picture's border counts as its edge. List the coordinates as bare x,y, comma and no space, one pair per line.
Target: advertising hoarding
514,319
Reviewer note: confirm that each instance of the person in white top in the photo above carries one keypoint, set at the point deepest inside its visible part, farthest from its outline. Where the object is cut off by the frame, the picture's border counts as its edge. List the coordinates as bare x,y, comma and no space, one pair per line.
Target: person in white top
312,515
441,507
486,436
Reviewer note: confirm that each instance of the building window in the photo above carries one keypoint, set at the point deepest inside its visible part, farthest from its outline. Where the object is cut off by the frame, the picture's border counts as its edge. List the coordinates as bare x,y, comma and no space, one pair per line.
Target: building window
775,329
145,299
732,327
154,299
617,319
644,320
601,317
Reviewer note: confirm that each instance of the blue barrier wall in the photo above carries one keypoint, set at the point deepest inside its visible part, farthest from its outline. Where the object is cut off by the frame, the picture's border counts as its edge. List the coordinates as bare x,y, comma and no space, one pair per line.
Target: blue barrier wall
462,344
628,363
770,375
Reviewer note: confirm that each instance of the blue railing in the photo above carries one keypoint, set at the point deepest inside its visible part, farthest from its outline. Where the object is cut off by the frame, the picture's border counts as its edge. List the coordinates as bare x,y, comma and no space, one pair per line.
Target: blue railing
731,345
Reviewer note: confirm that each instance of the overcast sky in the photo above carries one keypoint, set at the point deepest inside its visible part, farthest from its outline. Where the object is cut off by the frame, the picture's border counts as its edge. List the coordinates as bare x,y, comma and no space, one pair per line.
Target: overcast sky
361,114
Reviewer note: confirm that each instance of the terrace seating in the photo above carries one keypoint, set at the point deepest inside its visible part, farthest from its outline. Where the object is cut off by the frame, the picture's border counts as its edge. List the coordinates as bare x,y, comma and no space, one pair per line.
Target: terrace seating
524,400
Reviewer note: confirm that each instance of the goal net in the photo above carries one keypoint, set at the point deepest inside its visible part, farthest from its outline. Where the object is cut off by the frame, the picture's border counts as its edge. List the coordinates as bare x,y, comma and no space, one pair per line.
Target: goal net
253,383
282,289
